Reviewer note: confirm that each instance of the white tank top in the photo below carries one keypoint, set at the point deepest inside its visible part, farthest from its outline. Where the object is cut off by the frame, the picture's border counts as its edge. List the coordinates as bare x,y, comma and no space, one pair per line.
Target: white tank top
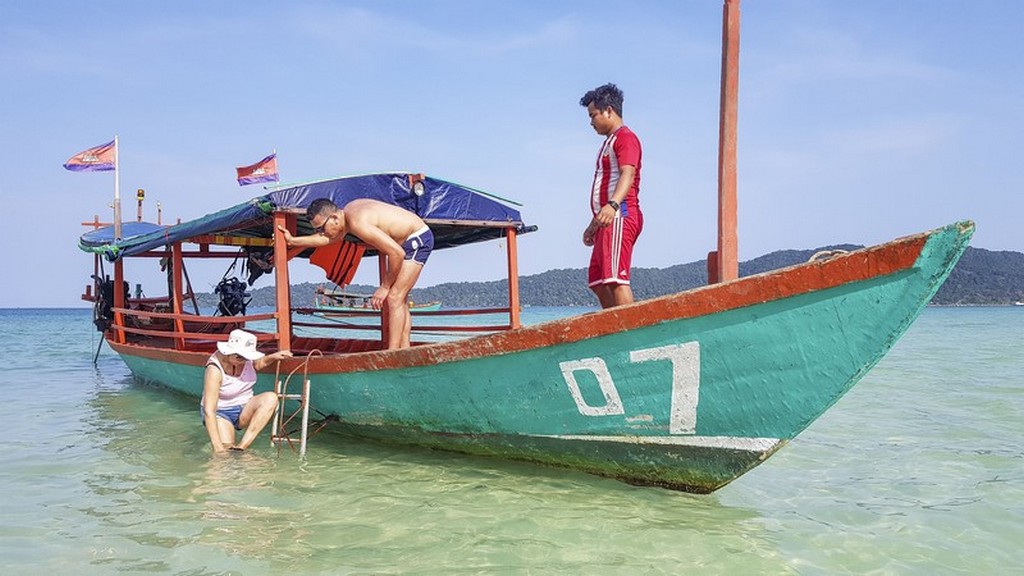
234,390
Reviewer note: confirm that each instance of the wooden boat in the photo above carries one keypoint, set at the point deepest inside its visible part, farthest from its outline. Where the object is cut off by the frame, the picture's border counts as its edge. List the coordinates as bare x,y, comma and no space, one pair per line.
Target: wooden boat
686,391
338,302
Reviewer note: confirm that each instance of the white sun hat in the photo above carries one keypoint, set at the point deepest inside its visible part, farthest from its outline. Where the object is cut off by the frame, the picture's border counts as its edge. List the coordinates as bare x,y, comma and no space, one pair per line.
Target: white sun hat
242,343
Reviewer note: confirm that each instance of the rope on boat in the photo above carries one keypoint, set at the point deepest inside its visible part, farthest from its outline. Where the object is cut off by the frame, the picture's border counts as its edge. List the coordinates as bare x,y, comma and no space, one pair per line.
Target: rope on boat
826,254
346,323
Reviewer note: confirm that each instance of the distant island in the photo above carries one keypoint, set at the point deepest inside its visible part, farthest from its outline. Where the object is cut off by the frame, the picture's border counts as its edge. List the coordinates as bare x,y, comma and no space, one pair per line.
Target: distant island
981,278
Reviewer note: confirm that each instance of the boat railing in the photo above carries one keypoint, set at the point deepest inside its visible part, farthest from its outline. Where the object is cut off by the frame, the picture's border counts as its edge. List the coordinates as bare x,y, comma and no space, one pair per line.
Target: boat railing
182,329
186,331
339,320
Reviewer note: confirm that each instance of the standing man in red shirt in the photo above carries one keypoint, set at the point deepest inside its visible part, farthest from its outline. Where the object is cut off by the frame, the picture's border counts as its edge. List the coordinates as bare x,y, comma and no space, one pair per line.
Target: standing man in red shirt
614,199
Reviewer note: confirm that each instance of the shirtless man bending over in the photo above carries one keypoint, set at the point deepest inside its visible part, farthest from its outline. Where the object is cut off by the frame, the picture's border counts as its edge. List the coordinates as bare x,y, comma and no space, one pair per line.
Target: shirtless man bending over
397,233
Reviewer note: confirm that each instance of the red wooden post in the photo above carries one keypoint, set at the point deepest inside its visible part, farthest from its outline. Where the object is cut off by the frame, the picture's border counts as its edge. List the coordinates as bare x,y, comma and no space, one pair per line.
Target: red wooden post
382,271
712,267
178,298
728,263
513,279
119,301
282,288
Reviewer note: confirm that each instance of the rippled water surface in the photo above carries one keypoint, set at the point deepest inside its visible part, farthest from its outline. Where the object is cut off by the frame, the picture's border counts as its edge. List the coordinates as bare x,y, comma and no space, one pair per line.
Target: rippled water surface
918,470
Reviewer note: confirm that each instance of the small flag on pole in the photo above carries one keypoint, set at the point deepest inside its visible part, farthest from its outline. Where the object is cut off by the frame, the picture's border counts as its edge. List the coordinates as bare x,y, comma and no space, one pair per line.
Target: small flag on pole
98,159
263,171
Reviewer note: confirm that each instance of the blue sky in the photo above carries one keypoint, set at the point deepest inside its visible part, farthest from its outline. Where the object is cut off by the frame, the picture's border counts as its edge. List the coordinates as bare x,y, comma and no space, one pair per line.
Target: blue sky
859,121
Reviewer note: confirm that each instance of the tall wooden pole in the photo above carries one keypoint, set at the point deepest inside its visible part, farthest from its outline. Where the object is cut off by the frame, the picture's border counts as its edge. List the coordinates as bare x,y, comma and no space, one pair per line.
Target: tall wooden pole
727,260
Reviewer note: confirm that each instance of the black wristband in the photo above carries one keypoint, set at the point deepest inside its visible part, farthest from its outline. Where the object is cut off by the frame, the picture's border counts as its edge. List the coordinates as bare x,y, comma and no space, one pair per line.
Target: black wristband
614,205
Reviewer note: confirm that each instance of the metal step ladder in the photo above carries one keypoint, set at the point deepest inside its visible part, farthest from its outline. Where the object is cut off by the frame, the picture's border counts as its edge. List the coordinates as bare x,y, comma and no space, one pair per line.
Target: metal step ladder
283,419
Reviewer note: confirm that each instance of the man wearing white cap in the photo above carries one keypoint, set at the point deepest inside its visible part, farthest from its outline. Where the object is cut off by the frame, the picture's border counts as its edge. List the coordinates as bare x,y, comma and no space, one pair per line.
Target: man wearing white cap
230,377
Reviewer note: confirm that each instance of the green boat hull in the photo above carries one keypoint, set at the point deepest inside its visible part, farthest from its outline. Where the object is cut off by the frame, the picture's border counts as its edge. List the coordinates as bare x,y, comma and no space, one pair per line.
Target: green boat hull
687,391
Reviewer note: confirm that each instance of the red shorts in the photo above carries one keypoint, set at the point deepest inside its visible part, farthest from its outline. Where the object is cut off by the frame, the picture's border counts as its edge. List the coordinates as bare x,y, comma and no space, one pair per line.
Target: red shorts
613,250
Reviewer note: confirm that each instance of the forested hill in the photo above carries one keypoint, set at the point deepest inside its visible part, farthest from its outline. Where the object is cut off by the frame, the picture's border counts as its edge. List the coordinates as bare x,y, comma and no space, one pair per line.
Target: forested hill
982,277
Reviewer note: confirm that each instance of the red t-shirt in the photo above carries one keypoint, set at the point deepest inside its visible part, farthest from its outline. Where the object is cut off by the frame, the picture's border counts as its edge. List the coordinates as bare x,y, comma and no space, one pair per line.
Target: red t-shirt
620,148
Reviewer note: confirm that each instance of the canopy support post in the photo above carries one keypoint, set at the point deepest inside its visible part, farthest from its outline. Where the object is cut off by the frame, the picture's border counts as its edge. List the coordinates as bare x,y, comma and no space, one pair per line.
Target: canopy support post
282,288
382,272
119,301
178,302
513,279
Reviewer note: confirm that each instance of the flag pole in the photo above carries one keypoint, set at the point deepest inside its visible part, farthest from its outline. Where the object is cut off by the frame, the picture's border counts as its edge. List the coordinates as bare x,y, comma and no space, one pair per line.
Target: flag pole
278,164
117,191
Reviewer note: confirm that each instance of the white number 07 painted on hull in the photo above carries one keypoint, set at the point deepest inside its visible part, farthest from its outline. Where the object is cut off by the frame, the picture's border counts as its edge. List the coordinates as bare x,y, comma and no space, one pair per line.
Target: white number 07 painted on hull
685,359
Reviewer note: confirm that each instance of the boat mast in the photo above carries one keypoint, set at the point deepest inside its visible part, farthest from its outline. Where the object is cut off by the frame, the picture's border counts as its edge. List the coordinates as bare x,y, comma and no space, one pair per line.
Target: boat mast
723,265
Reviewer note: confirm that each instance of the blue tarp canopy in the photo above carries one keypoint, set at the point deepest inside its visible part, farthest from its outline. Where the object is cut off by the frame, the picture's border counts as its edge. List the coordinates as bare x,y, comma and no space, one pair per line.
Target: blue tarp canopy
456,214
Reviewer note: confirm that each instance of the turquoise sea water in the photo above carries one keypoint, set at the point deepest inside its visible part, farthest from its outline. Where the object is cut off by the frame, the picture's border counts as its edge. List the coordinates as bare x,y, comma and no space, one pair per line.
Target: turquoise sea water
918,470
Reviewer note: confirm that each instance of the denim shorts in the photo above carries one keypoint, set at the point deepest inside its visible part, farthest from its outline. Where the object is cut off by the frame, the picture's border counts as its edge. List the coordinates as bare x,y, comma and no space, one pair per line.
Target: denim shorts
231,414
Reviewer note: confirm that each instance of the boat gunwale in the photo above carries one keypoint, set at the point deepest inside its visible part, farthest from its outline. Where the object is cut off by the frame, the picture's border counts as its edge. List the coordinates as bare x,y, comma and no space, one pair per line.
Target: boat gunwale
858,265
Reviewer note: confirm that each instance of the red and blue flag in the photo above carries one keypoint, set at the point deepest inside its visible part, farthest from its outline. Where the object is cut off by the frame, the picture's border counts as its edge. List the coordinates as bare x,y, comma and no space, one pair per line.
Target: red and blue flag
97,159
263,171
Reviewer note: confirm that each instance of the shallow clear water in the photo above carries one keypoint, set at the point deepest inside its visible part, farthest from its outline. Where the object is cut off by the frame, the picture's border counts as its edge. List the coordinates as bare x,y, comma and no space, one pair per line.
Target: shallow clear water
918,470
